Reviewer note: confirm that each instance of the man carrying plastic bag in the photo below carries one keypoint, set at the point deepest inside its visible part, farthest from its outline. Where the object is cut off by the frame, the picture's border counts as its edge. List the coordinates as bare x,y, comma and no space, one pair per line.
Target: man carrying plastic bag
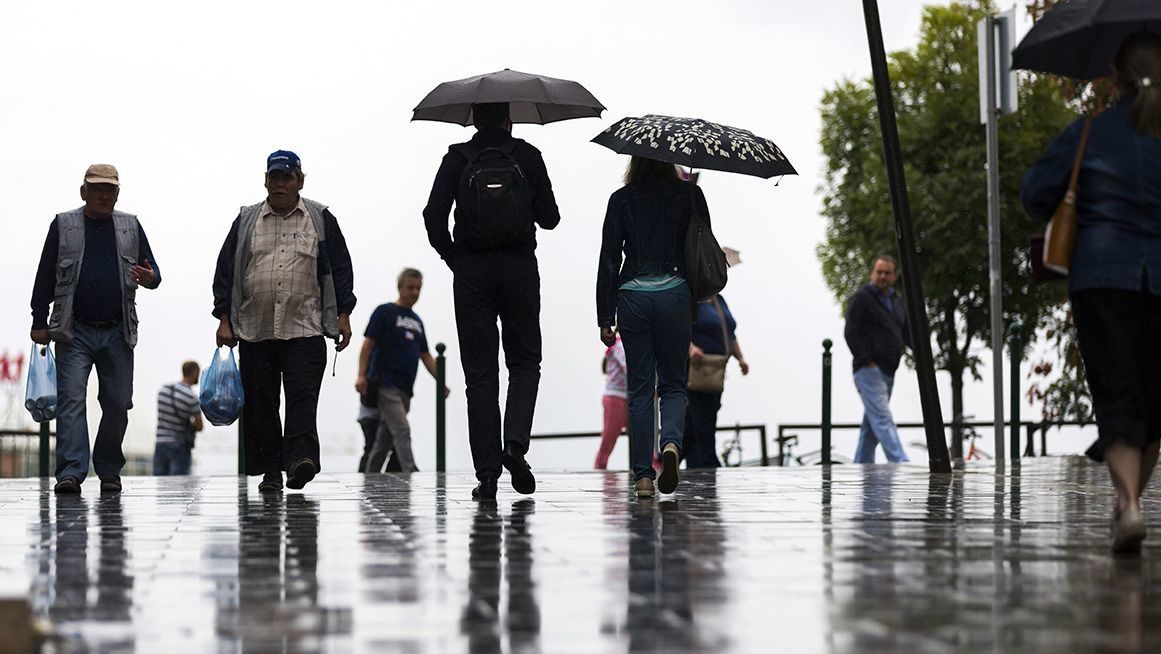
93,261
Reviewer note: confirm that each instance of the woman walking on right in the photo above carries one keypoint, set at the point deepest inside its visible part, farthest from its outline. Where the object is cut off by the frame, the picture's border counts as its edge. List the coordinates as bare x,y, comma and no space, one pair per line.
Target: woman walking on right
1115,274
641,289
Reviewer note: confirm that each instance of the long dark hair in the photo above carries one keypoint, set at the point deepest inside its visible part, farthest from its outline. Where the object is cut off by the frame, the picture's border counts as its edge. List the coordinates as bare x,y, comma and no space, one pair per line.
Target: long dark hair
641,169
1138,70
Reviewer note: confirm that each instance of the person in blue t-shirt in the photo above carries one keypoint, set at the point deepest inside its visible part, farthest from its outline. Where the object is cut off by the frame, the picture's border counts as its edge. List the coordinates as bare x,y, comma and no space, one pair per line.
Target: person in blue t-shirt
393,345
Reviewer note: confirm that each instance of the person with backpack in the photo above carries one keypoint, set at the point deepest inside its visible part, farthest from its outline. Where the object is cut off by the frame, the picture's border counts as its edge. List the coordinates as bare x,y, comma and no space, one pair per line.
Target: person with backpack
642,289
501,192
179,419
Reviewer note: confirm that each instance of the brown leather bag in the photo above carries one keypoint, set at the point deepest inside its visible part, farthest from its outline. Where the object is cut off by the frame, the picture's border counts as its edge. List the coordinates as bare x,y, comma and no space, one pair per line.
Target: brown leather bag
1059,242
708,374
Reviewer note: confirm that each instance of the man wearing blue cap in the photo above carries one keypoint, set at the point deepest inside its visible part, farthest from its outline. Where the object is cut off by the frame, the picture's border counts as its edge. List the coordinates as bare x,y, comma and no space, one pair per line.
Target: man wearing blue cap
283,284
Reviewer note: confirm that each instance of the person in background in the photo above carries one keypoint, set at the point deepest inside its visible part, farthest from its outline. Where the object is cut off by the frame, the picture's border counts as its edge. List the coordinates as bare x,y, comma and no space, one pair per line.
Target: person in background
876,331
615,402
641,288
179,419
93,262
714,335
1114,281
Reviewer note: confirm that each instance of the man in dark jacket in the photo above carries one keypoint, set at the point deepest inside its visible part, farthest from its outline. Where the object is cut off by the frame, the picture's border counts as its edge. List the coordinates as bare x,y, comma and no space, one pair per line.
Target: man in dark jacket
876,331
501,192
283,283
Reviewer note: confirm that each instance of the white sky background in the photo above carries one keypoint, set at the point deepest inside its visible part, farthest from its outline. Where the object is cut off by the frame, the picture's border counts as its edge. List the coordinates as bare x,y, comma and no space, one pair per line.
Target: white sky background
188,103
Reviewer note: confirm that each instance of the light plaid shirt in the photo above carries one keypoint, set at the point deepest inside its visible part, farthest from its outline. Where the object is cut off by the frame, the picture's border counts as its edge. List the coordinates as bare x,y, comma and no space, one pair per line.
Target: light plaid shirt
280,284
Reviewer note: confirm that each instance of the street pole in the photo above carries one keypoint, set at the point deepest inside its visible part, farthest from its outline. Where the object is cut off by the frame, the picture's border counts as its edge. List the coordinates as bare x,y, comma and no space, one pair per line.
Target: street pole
938,460
826,366
994,275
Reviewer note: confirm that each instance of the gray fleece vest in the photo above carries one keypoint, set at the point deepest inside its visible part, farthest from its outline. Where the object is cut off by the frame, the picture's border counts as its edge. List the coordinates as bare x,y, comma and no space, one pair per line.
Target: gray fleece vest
247,220
71,254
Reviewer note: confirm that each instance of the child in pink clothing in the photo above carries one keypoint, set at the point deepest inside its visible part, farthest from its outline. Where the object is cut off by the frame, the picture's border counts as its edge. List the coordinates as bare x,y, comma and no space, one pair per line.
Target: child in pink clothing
615,401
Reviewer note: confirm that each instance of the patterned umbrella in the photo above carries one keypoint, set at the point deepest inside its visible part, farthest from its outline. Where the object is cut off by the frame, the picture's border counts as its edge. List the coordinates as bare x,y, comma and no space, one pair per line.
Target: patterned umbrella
696,143
532,99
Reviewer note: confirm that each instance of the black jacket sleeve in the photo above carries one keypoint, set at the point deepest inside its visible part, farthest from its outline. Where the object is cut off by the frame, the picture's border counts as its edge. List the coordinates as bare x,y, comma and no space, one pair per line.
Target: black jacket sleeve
544,209
45,285
224,273
609,265
145,253
342,271
854,333
439,204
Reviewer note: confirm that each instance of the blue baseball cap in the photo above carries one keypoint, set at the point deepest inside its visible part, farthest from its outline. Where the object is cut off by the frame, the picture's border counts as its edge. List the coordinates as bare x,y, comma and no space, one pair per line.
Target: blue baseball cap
283,160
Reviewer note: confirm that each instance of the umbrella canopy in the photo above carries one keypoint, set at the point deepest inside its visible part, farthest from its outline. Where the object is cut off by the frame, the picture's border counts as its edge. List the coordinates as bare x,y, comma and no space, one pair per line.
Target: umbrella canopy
696,143
1080,38
531,99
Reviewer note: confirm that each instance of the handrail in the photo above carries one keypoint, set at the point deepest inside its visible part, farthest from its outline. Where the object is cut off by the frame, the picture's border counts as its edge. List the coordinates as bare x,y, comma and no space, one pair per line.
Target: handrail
736,429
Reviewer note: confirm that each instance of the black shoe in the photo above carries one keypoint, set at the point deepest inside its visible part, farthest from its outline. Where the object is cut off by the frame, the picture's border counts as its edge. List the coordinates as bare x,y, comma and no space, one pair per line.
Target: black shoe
670,457
522,479
72,486
301,473
271,482
485,490
111,485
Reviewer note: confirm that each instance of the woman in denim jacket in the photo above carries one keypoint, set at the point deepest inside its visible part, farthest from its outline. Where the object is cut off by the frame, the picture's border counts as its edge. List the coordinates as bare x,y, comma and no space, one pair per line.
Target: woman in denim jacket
1115,275
641,289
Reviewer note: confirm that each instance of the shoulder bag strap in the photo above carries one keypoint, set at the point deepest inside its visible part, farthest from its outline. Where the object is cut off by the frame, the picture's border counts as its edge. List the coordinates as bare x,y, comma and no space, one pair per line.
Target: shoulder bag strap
725,327
1073,180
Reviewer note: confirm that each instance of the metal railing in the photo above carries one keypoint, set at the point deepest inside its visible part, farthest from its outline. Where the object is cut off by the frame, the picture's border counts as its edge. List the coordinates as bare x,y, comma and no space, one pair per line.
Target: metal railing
26,452
735,444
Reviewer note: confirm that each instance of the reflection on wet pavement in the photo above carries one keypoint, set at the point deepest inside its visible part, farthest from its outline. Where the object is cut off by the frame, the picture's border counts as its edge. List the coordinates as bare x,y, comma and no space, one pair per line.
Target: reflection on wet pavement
854,559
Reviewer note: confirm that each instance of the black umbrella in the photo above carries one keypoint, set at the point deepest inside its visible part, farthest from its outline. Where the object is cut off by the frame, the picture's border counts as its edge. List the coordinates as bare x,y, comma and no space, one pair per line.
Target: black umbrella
531,99
696,143
1080,38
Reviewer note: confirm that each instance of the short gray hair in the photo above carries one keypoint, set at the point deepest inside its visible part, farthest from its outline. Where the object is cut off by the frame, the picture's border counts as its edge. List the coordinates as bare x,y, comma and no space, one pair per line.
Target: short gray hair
885,257
408,272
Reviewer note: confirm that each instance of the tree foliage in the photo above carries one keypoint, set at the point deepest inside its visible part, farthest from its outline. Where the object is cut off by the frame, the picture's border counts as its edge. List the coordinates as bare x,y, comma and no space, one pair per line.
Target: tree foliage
936,94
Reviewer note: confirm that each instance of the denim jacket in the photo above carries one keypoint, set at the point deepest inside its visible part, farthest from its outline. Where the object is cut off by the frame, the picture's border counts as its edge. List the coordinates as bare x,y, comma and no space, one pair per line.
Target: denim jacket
646,222
1119,201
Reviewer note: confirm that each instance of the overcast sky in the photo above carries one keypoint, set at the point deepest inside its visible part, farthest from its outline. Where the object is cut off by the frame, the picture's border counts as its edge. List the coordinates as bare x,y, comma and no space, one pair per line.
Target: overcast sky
187,102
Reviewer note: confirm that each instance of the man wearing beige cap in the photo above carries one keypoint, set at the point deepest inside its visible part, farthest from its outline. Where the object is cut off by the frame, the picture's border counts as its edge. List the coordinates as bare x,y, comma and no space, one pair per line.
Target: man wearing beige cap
94,259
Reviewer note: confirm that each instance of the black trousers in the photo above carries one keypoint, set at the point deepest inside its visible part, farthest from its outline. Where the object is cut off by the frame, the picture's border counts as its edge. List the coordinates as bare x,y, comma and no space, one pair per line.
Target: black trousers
295,366
503,285
701,421
370,431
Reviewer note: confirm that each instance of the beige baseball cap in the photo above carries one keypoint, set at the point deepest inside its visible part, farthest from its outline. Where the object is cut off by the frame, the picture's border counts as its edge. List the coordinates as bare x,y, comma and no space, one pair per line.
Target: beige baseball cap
102,174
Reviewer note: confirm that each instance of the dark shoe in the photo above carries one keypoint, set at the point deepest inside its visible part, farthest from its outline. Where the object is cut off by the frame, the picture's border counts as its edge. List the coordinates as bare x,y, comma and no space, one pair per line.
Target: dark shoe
670,457
301,473
522,480
111,485
271,483
67,486
485,490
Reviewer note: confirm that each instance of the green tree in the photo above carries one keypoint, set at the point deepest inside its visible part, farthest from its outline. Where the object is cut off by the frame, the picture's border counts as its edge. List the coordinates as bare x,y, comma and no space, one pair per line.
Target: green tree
936,94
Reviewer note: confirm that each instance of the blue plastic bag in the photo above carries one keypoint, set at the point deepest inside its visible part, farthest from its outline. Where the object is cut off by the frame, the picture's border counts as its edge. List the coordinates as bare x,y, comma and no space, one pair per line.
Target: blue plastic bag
221,394
40,391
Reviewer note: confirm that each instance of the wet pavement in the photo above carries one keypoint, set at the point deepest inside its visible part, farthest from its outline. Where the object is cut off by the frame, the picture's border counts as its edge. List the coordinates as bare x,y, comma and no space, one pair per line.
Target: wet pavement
860,559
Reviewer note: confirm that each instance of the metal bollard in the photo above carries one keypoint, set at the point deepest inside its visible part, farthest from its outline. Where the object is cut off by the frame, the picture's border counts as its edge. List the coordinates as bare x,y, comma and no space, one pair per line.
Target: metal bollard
826,345
1015,353
44,447
440,408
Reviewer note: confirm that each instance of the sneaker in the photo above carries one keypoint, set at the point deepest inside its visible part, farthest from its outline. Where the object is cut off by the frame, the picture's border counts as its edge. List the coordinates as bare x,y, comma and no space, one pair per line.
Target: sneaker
301,473
67,486
1128,531
670,457
271,482
522,480
644,487
111,485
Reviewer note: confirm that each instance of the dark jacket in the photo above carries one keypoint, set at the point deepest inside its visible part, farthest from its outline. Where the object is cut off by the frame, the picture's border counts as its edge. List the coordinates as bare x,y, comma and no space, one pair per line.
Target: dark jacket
873,334
1119,203
447,184
333,259
646,222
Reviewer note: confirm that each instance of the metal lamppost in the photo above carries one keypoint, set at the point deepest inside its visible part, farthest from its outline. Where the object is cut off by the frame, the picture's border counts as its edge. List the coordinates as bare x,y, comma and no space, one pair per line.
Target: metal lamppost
904,235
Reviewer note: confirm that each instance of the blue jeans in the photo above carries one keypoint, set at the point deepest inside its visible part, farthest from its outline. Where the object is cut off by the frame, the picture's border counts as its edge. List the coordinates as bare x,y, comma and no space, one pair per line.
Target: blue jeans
170,458
106,349
655,328
878,426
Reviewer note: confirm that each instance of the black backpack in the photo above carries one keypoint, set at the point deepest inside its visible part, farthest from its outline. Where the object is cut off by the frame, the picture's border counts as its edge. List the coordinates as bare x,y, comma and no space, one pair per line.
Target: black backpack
494,200
705,263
